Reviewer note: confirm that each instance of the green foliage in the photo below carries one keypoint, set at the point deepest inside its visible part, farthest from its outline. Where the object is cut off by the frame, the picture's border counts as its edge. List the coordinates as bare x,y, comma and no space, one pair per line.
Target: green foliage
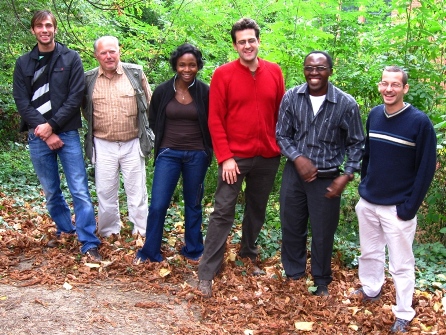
430,266
432,214
17,177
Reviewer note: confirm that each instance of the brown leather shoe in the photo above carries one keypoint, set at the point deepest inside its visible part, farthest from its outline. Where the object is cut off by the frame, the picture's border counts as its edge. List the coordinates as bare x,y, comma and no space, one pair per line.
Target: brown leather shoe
256,271
54,242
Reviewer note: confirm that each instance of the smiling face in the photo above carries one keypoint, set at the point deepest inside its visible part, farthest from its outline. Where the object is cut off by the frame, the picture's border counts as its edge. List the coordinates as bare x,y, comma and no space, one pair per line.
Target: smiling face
317,80
392,90
44,32
107,54
187,67
247,46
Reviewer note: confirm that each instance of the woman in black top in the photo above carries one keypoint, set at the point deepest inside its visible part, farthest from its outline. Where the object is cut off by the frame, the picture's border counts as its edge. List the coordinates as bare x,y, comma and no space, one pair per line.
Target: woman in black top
178,115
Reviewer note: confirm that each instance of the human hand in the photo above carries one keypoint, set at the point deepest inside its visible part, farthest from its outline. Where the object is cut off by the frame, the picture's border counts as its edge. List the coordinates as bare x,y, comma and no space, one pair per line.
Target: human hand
229,171
54,142
43,131
337,187
305,168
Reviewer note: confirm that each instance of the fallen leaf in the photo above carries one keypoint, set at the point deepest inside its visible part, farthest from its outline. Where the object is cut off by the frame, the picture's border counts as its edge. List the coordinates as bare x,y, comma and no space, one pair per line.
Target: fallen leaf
304,326
353,326
164,272
171,241
92,265
354,310
437,306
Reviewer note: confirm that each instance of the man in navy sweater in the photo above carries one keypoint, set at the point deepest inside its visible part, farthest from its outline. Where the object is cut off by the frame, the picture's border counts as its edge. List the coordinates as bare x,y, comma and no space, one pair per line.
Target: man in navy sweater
397,169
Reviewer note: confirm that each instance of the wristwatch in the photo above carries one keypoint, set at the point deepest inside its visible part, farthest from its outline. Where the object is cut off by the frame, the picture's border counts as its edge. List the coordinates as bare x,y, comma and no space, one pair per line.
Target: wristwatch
350,176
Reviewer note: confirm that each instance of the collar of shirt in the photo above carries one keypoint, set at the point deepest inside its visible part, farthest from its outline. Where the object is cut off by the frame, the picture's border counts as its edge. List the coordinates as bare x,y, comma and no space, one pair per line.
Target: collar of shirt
119,70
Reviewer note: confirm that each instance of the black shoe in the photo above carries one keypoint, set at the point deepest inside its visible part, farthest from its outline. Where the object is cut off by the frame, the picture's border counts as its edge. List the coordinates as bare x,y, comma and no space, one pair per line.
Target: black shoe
94,255
322,291
359,293
400,325
297,277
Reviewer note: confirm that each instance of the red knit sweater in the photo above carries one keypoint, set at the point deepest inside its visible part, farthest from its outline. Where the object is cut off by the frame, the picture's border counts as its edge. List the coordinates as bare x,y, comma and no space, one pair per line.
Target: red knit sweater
243,110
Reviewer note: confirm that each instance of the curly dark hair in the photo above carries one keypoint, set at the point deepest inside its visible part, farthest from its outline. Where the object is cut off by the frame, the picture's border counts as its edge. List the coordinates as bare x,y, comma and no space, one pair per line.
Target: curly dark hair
185,48
244,24
329,59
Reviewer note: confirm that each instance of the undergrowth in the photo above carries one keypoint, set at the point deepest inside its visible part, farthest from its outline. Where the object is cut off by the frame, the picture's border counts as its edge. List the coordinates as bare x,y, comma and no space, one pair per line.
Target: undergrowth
19,182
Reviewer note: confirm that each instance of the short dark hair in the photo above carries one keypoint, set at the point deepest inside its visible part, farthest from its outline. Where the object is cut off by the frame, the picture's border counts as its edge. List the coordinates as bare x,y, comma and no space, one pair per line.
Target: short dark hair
41,15
243,24
185,48
394,68
329,59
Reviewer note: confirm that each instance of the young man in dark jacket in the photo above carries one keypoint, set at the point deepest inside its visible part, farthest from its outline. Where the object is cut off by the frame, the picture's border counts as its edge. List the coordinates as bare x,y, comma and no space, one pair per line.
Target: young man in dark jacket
48,91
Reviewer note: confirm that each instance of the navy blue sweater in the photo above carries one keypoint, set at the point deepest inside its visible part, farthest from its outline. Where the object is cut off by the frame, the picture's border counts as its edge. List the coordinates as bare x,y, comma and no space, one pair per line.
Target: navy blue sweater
399,159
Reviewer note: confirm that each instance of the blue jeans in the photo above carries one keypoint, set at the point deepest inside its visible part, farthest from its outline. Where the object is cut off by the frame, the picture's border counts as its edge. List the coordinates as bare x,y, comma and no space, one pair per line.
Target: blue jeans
169,165
45,162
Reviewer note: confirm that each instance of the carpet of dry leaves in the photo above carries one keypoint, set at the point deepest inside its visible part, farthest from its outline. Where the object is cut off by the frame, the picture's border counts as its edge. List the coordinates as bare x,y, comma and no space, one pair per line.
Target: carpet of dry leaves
58,291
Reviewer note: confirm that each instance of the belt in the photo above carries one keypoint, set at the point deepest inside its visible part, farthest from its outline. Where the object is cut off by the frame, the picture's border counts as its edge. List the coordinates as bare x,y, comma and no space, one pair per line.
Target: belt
330,173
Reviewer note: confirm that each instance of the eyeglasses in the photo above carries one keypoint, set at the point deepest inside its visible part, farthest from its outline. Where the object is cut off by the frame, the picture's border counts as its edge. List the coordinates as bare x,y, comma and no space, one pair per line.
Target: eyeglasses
392,85
250,41
319,68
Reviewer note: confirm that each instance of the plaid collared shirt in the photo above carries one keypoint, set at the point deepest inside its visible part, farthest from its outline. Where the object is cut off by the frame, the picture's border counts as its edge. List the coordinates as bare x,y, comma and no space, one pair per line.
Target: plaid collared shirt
115,107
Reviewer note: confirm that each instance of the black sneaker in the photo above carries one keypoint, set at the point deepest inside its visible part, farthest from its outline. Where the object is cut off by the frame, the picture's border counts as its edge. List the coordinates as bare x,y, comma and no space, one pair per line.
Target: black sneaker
94,255
322,291
400,325
359,293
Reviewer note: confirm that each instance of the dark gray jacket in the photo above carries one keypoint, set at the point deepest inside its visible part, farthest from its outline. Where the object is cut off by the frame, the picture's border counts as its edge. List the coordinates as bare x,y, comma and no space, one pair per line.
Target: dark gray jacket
66,84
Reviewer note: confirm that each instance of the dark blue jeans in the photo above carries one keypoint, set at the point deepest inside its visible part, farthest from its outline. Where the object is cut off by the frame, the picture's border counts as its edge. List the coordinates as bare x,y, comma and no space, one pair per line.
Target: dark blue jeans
169,164
45,162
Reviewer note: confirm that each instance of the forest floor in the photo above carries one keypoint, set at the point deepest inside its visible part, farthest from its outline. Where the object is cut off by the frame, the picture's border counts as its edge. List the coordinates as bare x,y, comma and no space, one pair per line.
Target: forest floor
59,291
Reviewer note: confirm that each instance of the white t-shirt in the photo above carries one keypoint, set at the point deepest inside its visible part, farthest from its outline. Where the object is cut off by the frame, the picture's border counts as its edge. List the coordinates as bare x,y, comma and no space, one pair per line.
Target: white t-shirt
317,102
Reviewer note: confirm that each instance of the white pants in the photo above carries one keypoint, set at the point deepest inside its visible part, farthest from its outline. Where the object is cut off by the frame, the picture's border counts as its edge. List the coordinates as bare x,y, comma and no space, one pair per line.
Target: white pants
112,157
380,226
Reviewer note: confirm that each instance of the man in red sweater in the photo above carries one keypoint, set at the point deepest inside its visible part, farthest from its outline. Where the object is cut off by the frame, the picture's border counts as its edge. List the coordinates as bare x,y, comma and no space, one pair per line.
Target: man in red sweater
244,101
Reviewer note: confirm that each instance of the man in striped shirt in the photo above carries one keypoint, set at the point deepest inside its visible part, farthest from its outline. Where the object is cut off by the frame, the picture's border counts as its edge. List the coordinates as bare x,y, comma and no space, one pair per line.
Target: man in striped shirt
319,129
48,91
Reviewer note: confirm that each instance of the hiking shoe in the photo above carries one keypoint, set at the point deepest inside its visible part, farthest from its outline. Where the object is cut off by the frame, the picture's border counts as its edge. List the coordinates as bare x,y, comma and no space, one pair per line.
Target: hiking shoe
138,260
53,243
321,291
93,254
205,287
400,325
256,271
359,293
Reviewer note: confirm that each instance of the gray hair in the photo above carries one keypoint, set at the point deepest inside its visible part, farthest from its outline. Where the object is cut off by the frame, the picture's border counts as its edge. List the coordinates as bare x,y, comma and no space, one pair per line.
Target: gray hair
113,38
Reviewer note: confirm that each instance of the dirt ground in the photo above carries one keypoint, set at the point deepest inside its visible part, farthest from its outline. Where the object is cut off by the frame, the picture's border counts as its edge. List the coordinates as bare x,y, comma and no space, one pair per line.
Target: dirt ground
106,309
59,291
